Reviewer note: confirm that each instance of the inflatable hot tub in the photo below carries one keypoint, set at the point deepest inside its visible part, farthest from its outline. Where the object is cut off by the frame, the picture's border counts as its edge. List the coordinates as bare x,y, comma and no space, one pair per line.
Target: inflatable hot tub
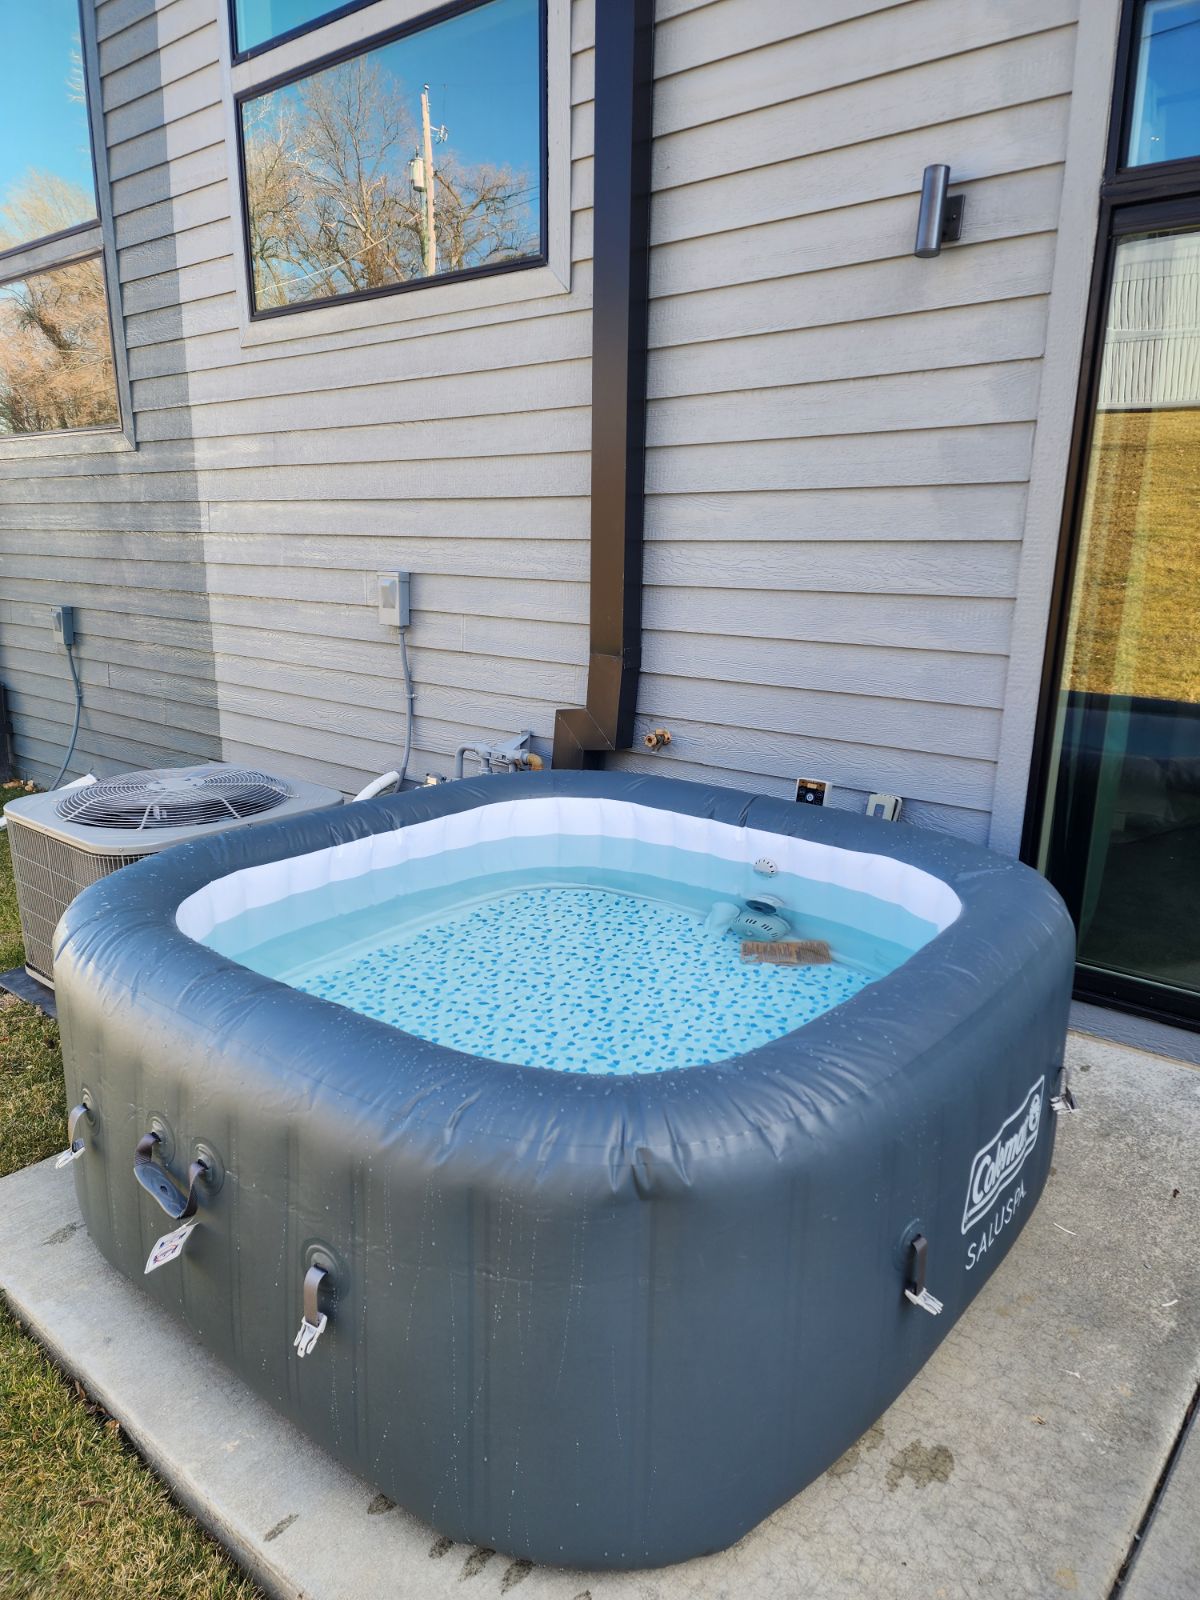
494,1145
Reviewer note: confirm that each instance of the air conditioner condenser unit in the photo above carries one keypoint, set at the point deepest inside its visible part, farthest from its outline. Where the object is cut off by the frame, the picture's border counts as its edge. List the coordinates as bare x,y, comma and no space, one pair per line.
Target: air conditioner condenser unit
69,838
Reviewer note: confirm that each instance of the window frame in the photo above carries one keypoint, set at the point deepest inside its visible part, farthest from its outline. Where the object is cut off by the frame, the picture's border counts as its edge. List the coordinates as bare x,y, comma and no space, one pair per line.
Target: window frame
1133,200
349,50
84,241
1157,177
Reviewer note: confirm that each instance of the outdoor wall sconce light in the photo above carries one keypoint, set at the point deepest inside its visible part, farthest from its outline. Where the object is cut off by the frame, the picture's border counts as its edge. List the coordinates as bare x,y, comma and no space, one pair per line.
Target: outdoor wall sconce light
940,218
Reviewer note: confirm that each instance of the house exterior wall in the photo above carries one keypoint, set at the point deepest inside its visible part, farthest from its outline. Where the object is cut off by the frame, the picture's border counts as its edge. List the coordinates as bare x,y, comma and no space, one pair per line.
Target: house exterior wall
841,437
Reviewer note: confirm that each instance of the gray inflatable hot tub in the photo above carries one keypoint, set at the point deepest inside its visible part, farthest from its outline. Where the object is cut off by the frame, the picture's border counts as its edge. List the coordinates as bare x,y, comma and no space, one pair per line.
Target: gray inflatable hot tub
591,1318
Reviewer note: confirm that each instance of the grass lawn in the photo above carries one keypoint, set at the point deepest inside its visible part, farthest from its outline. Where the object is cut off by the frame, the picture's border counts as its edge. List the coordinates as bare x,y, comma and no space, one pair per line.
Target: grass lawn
81,1517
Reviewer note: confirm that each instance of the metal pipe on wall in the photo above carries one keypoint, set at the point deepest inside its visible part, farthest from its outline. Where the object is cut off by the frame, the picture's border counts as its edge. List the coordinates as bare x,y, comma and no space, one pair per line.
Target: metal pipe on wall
621,276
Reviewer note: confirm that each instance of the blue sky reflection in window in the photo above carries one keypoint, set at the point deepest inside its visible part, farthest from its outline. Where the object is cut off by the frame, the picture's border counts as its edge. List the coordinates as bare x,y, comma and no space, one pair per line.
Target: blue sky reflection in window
1165,123
46,179
259,21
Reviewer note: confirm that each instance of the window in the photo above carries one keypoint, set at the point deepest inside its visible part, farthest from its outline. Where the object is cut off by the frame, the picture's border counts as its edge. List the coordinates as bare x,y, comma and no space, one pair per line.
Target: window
1164,120
56,354
56,365
420,156
1114,819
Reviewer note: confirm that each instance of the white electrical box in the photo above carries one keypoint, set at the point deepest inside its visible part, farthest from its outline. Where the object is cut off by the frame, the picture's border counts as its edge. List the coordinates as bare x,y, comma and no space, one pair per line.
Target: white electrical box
887,806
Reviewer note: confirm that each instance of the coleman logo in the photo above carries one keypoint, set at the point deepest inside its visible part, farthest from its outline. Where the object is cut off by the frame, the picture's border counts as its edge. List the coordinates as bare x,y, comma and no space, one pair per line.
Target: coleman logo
1002,1157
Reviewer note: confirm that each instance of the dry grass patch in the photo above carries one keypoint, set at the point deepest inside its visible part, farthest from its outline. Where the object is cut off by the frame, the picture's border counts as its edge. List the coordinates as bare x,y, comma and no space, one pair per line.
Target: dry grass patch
81,1516
33,1102
33,1105
1137,589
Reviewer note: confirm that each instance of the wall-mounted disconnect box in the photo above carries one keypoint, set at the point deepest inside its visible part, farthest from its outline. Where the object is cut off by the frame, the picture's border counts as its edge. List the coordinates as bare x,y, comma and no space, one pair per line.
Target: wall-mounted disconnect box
394,598
62,620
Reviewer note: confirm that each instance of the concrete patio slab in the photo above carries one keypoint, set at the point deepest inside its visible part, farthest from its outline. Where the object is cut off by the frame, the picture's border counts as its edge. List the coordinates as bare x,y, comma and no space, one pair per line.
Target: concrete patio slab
1168,1562
1019,1464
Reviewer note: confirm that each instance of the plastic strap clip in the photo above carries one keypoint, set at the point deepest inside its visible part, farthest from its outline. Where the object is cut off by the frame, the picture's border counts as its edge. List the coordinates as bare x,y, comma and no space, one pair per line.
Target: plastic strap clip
314,1321
75,1145
1064,1103
915,1290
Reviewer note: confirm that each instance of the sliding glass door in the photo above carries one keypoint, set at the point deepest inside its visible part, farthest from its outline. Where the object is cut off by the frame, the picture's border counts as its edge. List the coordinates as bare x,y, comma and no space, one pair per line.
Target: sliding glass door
1121,835
1115,819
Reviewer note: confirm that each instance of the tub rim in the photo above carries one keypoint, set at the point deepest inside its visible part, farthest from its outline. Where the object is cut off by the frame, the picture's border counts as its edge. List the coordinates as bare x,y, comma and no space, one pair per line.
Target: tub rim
122,934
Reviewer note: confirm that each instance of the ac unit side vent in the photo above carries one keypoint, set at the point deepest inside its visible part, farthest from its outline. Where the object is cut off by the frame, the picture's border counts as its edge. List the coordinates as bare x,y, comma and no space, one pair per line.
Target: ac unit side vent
48,875
174,798
66,840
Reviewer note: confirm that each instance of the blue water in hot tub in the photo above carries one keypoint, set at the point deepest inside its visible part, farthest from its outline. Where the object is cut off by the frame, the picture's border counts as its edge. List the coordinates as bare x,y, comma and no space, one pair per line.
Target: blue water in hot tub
597,969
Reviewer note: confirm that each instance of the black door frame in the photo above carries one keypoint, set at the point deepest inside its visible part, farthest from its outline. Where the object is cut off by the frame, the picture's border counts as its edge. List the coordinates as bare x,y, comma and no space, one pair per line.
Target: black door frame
1132,200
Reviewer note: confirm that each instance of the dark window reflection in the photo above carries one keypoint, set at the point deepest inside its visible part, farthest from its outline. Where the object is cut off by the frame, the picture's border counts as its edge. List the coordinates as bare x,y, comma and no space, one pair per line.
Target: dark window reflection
1165,120
342,196
46,180
56,363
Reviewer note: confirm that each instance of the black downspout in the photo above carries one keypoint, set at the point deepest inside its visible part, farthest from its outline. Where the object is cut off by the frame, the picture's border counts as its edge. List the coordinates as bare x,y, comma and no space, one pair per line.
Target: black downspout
624,99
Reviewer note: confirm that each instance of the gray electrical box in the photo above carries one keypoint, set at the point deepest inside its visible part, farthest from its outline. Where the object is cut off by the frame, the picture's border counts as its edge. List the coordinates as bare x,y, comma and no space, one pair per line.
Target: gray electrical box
394,594
62,620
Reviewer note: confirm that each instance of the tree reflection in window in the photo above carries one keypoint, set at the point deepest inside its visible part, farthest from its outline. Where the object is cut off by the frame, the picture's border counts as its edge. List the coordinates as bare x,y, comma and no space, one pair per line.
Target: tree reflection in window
56,363
338,195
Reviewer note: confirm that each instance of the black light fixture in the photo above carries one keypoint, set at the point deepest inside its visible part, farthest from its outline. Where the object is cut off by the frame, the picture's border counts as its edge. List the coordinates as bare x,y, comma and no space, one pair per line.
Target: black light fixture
940,218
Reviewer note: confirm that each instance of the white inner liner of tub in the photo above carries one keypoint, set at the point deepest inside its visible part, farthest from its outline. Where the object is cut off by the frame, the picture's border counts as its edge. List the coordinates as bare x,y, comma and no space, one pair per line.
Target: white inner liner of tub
882,876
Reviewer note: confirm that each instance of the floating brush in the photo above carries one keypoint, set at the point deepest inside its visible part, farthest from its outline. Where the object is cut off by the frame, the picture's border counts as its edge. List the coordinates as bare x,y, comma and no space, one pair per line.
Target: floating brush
787,952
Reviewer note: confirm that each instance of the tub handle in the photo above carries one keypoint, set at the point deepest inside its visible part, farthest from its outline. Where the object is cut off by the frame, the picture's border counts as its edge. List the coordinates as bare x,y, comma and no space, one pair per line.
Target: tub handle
158,1182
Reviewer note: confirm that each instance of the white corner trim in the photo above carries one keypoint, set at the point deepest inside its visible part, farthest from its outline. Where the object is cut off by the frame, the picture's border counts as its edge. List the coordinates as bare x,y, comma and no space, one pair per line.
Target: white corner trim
519,286
90,49
1087,137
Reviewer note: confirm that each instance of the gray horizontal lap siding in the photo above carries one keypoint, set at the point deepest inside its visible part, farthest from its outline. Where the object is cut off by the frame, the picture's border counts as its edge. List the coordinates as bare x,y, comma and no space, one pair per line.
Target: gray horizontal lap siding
462,456
839,435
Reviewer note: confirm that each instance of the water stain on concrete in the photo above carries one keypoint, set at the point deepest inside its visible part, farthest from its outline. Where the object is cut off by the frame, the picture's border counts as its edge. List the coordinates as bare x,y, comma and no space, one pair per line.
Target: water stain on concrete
515,1574
1065,1579
440,1547
61,1235
380,1506
1020,1302
476,1561
281,1527
844,1465
924,1464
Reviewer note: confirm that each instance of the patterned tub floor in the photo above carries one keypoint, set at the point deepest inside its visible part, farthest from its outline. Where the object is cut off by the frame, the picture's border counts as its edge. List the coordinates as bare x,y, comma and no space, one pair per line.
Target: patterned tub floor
582,980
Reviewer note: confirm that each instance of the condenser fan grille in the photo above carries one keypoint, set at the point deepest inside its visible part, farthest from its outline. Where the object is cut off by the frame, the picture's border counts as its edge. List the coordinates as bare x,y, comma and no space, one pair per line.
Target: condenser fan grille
174,797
